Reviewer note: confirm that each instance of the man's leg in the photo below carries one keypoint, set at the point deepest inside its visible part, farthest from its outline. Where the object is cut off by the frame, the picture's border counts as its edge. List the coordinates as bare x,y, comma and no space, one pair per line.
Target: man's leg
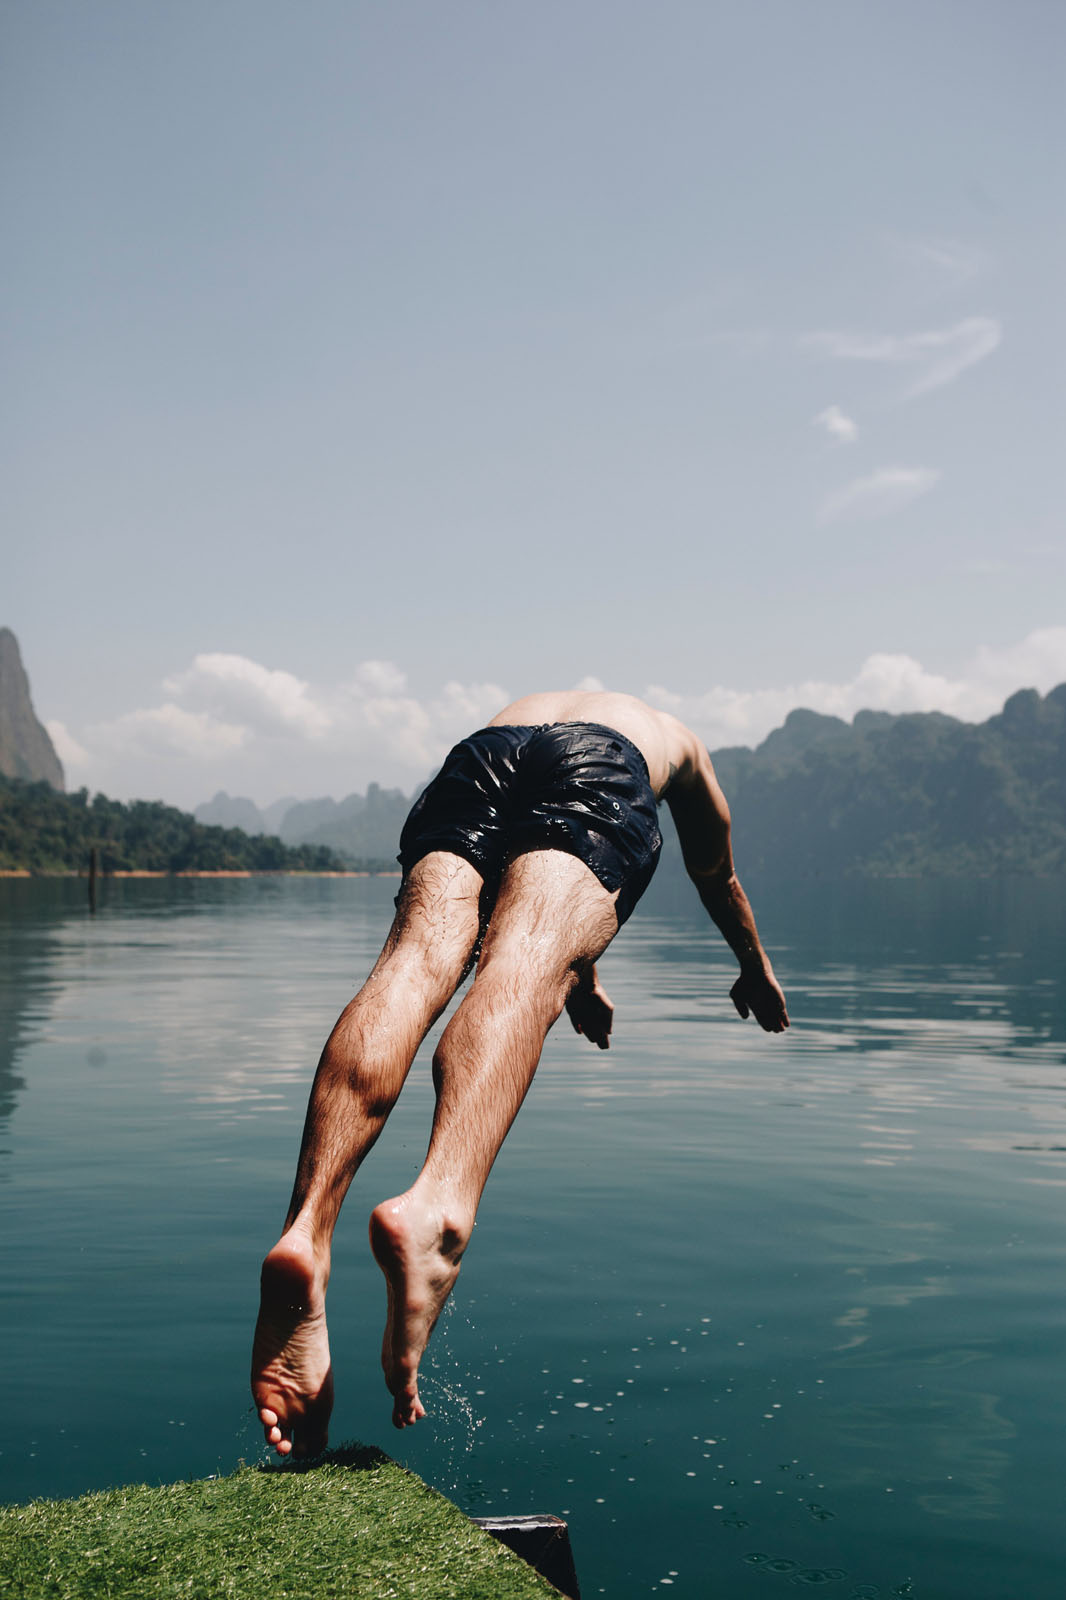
552,916
360,1074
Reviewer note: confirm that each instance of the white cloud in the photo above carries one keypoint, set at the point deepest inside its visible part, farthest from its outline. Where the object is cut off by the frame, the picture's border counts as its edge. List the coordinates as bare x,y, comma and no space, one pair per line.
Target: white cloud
67,748
590,685
949,258
398,739
465,706
166,730
883,682
226,717
1037,662
877,495
380,677
837,425
371,713
940,355
233,687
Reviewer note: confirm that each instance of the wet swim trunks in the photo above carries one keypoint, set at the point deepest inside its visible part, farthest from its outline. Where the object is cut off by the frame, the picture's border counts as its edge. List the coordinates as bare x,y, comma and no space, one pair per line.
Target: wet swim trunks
574,786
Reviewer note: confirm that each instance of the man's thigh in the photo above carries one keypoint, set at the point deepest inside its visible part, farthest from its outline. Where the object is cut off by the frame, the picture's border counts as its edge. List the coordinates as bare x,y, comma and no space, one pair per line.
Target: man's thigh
436,917
551,913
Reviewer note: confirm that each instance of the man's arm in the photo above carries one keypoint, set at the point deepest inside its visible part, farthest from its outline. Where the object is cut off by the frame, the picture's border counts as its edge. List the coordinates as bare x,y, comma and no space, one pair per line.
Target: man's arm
701,813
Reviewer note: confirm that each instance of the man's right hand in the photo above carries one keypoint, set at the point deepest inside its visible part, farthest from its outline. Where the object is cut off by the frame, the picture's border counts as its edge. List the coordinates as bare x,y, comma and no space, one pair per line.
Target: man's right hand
590,1011
758,994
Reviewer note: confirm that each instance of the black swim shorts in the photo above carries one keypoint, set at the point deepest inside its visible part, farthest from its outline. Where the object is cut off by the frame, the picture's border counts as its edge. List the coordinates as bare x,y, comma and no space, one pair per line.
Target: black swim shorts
574,786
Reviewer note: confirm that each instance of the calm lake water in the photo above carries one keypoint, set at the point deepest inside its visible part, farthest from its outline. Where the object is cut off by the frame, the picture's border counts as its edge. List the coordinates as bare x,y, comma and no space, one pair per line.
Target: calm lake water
752,1313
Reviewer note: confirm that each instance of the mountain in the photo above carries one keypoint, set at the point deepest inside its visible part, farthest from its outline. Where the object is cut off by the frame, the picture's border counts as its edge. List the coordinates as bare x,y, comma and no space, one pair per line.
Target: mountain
231,811
236,811
304,816
919,793
363,828
274,815
26,751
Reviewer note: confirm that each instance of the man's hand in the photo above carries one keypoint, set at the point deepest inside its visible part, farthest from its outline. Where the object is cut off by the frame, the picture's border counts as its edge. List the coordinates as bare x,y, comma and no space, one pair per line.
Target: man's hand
590,1011
758,994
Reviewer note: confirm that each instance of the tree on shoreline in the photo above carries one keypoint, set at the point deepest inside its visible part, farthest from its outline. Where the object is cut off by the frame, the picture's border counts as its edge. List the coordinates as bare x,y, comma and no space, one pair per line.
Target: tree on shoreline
43,830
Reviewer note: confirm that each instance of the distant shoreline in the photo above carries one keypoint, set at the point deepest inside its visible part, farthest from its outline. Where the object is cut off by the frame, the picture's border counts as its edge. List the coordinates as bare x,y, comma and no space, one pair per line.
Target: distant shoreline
201,872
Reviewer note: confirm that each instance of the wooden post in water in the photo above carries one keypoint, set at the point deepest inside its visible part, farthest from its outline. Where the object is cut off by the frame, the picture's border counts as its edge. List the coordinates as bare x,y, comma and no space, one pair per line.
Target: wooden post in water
92,879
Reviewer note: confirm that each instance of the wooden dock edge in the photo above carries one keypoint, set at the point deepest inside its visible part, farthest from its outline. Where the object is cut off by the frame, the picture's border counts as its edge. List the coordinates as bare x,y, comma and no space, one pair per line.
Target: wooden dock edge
543,1541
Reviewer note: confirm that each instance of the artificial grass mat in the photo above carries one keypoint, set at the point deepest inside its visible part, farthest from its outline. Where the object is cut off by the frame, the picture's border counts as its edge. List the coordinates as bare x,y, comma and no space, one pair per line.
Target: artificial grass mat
353,1524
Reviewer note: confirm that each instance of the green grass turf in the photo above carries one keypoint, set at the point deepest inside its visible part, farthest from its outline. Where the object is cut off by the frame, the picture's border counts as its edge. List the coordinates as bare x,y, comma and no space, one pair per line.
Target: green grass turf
354,1525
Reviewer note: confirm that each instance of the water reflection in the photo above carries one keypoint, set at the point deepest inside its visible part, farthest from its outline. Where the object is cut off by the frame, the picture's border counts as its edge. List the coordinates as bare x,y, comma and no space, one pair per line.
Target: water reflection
30,916
935,1021
958,1460
796,1297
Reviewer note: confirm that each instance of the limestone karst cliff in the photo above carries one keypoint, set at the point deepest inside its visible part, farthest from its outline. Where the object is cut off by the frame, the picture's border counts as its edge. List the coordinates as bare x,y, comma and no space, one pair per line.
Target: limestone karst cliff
26,751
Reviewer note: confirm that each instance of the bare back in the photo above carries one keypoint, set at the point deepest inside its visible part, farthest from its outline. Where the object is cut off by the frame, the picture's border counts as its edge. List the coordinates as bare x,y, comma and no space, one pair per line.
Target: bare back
662,740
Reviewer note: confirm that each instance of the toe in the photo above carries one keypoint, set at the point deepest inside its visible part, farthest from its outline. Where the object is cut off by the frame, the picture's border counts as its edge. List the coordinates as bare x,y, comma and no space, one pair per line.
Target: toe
407,1408
276,1430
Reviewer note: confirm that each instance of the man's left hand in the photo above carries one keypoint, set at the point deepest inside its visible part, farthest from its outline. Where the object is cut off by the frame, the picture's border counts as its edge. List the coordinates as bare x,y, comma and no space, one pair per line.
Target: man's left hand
758,994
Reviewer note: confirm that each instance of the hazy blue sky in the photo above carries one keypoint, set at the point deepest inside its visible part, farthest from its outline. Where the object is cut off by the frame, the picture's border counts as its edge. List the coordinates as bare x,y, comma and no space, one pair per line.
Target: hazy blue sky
369,363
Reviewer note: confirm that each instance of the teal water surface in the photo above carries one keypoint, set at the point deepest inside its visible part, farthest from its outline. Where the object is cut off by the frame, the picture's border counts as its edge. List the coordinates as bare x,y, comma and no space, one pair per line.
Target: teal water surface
755,1314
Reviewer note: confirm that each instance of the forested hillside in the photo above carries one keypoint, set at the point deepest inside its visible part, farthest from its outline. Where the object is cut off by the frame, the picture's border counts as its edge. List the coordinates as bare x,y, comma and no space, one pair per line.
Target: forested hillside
905,795
46,831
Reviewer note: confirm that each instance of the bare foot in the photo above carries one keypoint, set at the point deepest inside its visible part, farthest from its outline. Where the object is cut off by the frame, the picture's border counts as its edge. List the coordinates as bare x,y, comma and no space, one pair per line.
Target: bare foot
292,1379
419,1255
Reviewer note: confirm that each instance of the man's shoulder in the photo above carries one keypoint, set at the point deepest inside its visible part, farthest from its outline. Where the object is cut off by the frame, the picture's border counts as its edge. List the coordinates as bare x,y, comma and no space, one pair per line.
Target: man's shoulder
670,748
683,751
